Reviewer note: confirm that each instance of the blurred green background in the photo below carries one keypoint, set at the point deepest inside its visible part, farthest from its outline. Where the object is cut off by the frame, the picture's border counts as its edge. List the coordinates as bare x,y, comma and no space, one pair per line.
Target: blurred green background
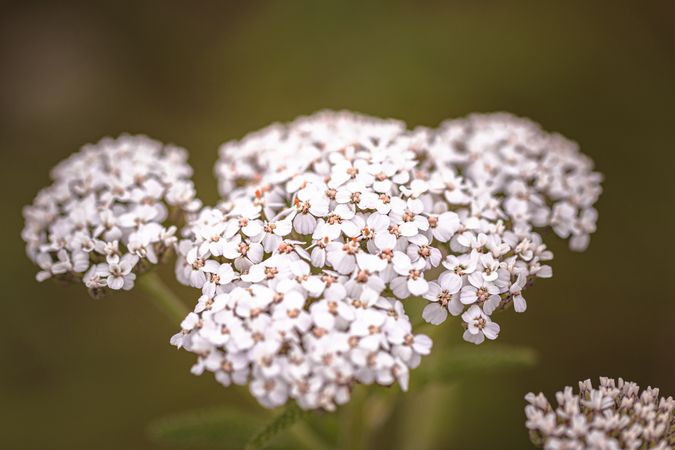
84,374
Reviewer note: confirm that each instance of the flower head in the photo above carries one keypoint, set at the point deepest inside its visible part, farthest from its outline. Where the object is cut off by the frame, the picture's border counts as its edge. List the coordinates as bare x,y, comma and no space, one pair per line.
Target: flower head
106,215
615,416
301,338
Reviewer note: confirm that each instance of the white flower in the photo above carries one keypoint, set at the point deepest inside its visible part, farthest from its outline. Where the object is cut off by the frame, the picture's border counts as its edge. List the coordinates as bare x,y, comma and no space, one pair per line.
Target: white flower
344,170
107,225
141,242
585,225
274,232
409,219
479,326
452,186
516,291
94,280
462,265
309,204
356,194
76,261
440,295
478,291
216,274
444,226
196,271
412,280
487,270
416,189
118,273
422,250
472,240
375,231
139,215
271,392
342,256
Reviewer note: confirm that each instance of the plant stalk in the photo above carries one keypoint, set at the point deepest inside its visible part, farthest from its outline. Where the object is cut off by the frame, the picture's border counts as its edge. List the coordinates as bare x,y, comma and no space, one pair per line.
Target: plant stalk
305,436
162,296
353,425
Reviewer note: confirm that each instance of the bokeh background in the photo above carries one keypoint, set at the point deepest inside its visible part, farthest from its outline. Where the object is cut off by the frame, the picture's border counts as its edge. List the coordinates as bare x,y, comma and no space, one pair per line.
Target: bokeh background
83,374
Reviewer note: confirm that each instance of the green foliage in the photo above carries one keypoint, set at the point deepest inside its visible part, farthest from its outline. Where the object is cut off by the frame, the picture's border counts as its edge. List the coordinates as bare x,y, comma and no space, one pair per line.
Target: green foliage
466,360
225,428
291,414
219,428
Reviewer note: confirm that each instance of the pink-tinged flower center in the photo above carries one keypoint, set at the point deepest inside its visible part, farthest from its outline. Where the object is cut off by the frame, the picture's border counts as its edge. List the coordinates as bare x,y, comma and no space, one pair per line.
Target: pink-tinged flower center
444,297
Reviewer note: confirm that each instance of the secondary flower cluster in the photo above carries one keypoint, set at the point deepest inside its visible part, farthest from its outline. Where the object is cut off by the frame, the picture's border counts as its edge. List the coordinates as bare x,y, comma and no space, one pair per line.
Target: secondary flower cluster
102,219
615,416
541,179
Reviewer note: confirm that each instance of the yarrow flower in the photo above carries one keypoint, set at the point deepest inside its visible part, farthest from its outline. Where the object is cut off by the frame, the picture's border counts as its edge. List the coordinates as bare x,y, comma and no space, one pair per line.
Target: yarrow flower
615,416
329,222
106,216
291,332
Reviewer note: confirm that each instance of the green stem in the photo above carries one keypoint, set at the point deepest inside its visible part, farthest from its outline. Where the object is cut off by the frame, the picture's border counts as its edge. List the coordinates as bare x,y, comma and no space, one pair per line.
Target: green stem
161,296
306,437
353,426
291,419
426,417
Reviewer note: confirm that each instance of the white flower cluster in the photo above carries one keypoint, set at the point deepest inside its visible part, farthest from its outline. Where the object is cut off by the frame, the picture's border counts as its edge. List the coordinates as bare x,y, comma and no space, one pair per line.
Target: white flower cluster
104,217
446,214
615,416
267,318
325,221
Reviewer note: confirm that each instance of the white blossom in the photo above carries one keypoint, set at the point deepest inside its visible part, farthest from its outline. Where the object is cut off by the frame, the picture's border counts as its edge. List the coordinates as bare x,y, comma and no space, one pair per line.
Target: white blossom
118,272
411,279
479,325
441,295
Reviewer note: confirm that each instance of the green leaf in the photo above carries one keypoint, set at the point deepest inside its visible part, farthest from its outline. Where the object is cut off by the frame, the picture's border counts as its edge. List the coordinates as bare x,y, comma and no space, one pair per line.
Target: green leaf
220,428
470,359
463,361
290,415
